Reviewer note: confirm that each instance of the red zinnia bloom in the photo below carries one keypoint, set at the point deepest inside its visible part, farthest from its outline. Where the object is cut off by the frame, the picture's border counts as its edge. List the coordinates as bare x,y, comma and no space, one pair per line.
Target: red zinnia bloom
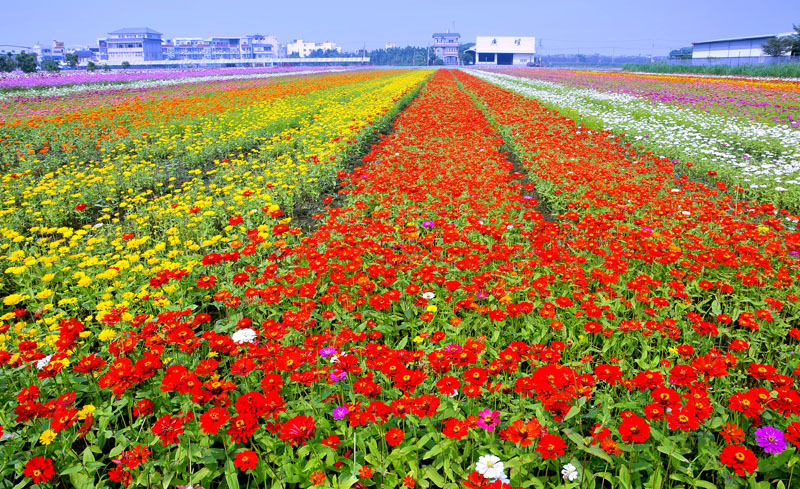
246,460
522,433
454,428
365,472
297,430
212,420
39,469
394,436
317,478
739,458
634,430
206,281
167,428
408,481
550,446
732,433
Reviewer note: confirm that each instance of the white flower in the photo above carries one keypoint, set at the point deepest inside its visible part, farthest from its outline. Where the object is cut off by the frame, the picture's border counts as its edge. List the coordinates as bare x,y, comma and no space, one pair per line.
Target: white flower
242,336
569,472
490,467
42,363
334,358
428,295
686,213
510,227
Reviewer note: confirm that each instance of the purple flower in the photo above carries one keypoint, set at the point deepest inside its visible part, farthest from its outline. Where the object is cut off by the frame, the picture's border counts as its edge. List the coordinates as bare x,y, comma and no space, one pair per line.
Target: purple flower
340,412
326,352
771,439
427,224
338,375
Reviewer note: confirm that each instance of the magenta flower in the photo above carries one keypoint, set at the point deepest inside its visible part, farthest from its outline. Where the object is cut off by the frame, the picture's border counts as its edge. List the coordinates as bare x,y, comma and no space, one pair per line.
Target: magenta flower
771,439
488,419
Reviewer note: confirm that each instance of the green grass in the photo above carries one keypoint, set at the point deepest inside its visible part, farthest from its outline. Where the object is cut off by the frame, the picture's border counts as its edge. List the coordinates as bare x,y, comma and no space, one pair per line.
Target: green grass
783,70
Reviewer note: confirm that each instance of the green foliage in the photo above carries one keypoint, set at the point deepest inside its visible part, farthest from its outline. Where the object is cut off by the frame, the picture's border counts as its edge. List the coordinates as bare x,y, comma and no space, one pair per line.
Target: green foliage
777,46
26,62
407,56
71,59
91,66
7,63
106,68
51,65
782,70
125,65
682,53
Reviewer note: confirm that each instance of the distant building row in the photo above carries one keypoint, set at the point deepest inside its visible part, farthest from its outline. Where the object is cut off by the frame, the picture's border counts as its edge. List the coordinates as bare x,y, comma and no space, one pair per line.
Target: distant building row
136,45
488,50
141,44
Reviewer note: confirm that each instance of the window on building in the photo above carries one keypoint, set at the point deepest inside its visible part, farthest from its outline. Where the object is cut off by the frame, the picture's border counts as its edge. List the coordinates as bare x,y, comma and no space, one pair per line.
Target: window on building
486,57
517,41
494,41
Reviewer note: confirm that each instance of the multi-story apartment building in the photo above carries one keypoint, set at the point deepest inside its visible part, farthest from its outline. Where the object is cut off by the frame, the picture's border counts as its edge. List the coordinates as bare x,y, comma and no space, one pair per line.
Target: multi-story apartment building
132,44
234,48
445,46
304,49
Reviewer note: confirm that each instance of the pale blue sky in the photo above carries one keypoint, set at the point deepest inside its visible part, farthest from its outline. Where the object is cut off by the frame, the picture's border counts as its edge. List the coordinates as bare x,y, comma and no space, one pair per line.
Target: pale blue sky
629,26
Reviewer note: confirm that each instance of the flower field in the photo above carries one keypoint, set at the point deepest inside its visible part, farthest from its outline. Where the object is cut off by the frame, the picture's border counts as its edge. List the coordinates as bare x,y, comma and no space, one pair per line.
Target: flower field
225,283
746,131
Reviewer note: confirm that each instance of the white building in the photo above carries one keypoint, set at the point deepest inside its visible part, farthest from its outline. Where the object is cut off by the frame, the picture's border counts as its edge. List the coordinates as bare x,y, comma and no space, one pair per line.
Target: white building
304,49
134,45
735,47
495,50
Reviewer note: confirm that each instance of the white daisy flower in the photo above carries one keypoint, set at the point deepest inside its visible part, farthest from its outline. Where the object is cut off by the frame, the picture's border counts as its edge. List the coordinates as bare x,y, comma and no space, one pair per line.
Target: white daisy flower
490,466
243,336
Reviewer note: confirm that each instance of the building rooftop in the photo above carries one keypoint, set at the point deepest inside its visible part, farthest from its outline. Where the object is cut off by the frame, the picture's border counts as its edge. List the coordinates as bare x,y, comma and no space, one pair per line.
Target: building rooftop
503,44
746,38
446,34
135,30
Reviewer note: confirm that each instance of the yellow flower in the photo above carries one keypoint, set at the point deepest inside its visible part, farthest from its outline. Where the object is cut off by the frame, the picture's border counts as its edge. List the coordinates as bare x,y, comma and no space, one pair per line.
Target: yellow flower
418,339
85,411
107,335
14,299
431,308
44,294
47,437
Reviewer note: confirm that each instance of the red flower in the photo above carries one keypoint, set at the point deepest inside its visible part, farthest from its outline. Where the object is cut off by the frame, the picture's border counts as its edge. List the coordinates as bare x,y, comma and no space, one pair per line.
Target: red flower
454,428
297,430
167,428
206,282
80,207
408,481
522,433
212,420
365,472
246,460
739,458
394,436
39,469
550,446
317,478
634,430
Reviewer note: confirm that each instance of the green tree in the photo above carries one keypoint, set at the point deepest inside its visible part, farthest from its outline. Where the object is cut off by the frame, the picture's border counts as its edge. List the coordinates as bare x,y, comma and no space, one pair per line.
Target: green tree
106,67
795,41
51,65
91,66
682,53
71,59
26,62
125,65
7,63
777,46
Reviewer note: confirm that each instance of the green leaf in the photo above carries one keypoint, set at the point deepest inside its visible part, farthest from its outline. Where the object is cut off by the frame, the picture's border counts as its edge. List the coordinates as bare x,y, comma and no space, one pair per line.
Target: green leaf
72,470
704,484
88,457
80,481
231,475
593,450
574,437
624,477
672,452
434,476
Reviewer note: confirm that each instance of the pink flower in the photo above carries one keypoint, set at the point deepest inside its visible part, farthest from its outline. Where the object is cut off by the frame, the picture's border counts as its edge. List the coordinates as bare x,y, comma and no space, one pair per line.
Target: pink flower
488,419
